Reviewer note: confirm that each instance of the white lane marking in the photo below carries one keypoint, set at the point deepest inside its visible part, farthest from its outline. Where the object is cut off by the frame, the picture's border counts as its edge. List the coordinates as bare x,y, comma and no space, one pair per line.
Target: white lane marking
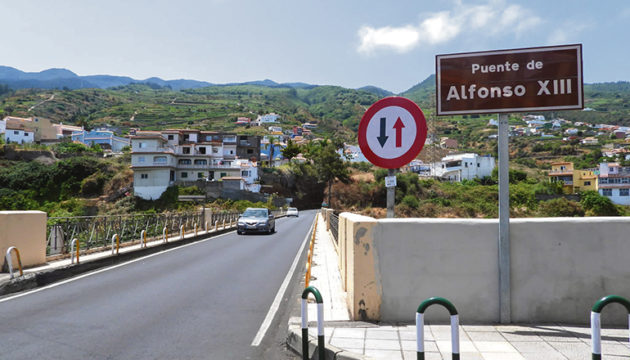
283,288
108,268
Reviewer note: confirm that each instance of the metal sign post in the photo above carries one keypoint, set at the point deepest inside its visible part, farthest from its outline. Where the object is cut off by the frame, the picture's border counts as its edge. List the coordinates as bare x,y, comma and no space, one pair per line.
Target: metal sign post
504,221
391,193
508,81
391,134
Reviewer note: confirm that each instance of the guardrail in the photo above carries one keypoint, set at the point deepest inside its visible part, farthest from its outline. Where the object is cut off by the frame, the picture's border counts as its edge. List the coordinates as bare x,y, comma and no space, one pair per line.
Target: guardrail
596,326
309,258
9,260
454,325
96,231
320,323
334,227
74,244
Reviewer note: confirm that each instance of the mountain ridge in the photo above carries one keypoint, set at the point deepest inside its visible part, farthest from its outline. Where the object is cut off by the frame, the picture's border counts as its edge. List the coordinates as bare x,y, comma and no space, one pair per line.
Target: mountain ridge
59,77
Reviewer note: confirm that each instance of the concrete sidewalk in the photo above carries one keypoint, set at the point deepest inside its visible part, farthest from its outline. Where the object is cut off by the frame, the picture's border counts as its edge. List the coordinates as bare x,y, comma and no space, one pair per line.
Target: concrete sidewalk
347,339
58,269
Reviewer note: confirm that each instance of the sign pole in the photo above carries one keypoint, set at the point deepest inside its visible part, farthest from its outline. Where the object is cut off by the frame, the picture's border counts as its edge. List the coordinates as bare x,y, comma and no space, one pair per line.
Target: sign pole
391,196
504,221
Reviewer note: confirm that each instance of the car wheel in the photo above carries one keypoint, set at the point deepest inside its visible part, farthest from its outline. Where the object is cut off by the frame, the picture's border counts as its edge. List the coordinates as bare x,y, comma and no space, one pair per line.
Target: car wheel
239,232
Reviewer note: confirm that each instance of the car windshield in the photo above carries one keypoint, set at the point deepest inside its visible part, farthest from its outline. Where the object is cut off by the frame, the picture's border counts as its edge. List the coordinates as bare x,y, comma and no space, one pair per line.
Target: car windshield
255,213
292,209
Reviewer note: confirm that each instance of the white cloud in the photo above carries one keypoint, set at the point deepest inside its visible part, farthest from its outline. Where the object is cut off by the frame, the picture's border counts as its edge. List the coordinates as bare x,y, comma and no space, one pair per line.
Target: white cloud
439,28
399,39
568,32
443,26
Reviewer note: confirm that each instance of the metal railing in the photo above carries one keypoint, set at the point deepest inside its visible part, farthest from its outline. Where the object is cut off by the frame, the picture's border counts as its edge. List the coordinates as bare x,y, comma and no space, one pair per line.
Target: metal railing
334,227
97,231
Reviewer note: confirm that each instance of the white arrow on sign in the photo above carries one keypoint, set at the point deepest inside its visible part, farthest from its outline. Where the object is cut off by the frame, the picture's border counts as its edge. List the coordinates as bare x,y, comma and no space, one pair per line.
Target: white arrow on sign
391,132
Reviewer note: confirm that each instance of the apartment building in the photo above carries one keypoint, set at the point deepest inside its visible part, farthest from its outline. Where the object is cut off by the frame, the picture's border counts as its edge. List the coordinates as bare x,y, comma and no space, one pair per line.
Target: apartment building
614,182
460,167
105,138
161,159
573,180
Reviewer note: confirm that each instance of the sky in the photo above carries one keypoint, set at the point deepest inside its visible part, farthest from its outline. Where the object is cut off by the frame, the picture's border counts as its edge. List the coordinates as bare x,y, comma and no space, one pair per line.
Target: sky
349,43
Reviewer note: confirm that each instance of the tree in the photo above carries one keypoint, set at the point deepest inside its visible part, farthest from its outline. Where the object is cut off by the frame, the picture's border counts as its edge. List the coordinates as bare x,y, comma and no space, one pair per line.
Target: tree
597,205
328,164
272,143
292,150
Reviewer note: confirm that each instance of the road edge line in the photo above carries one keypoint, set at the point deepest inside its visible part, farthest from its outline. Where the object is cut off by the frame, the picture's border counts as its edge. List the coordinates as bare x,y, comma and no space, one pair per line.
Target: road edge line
275,305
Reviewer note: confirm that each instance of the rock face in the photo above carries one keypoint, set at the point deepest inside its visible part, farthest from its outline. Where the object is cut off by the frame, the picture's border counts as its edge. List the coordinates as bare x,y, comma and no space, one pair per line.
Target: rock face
42,156
305,190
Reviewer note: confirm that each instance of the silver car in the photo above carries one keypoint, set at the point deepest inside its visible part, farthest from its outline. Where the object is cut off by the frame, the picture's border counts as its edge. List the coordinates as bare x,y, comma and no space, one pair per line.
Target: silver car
256,220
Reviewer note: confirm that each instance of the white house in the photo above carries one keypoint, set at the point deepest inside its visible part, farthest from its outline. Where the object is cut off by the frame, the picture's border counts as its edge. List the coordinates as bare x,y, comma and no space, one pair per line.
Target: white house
267,119
19,135
614,182
153,162
463,166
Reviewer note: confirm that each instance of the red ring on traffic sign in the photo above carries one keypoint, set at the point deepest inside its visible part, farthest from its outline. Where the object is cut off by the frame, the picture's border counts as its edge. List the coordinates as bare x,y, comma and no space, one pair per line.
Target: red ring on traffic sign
418,143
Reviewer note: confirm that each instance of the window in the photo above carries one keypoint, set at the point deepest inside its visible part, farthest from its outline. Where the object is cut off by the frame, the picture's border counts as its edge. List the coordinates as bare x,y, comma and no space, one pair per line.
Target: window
202,150
200,175
201,162
171,137
478,165
245,173
144,176
16,132
142,145
186,137
223,175
587,183
184,162
25,134
184,175
140,159
624,192
159,159
607,192
186,150
215,150
250,151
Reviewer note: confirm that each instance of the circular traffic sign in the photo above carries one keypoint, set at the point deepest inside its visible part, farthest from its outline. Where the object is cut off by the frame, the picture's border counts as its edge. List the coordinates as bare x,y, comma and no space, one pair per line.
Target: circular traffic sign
392,132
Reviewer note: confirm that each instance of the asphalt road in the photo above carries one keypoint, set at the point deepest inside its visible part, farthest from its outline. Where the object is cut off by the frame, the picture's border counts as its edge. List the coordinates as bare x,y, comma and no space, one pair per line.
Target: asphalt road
206,300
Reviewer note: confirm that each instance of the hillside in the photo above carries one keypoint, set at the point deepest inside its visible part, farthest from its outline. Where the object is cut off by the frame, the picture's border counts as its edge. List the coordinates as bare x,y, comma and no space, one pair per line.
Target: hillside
157,104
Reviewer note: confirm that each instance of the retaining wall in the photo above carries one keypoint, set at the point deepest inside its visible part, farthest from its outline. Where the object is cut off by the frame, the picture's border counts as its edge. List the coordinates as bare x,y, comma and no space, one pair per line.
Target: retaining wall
559,267
26,230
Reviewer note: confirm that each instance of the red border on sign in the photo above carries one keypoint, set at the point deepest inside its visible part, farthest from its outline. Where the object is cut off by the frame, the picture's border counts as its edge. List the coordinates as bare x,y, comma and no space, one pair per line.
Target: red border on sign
416,147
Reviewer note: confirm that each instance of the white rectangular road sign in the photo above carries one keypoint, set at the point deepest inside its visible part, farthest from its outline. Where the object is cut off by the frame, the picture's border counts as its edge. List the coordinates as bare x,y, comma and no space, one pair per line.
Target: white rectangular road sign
390,181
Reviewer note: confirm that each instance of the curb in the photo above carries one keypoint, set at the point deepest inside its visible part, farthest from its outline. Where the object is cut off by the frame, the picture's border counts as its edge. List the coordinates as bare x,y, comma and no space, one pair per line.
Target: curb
43,278
294,341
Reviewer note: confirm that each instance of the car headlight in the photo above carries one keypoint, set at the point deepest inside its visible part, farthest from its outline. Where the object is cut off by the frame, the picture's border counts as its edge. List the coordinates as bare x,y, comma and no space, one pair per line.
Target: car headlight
240,222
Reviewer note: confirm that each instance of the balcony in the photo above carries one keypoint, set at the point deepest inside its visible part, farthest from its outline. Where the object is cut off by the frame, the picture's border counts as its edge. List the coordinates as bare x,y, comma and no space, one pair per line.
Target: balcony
153,150
193,166
560,172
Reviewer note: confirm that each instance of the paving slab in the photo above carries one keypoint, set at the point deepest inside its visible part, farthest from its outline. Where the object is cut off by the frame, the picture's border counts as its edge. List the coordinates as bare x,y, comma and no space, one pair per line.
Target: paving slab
361,340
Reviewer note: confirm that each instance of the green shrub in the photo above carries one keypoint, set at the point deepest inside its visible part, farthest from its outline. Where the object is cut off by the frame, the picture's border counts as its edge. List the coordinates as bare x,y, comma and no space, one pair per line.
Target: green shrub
560,207
597,205
410,201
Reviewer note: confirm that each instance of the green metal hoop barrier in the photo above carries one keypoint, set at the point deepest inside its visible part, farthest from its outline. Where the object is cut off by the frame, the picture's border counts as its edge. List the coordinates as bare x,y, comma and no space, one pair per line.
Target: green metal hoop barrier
420,325
320,322
596,325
